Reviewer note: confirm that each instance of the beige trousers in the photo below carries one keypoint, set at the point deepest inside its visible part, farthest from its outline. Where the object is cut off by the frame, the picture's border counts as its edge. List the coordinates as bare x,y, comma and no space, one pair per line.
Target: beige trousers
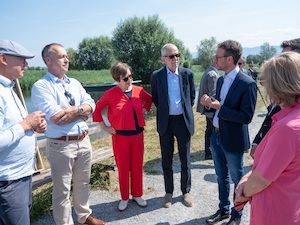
70,160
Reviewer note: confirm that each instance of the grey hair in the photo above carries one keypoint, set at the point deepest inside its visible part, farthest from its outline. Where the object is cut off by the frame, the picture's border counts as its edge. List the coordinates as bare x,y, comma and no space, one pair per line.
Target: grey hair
166,47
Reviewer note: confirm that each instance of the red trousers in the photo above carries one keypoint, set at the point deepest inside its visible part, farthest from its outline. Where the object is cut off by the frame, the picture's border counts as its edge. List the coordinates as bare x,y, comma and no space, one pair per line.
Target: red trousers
129,156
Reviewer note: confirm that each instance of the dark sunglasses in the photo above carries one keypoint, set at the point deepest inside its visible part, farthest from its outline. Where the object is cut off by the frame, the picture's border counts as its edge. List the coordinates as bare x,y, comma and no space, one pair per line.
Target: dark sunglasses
125,79
173,56
70,98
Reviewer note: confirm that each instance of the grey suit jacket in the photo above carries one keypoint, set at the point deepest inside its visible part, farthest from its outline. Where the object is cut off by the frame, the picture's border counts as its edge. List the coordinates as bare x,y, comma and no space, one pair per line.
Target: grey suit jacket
207,86
160,97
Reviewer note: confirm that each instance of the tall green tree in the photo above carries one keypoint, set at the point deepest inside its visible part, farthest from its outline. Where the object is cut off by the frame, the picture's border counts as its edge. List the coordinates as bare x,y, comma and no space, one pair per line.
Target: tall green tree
255,58
267,51
206,50
74,62
96,53
138,41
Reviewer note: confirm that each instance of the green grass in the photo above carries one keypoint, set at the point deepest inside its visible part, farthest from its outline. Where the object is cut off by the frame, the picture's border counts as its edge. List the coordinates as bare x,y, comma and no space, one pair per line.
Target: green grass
83,76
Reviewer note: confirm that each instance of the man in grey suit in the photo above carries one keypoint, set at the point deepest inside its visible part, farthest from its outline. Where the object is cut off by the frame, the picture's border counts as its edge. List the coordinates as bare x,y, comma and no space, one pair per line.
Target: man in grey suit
173,93
207,86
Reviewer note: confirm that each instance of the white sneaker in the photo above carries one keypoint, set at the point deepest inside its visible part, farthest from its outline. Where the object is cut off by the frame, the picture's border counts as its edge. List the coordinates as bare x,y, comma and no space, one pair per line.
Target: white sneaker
140,201
123,205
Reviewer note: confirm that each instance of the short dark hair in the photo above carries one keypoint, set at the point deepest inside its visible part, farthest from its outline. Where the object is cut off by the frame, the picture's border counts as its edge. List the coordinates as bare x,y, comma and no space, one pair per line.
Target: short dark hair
119,70
46,52
294,44
232,48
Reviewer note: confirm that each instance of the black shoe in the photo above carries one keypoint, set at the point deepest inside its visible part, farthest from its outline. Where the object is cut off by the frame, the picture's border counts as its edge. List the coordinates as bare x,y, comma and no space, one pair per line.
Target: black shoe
234,221
218,216
208,157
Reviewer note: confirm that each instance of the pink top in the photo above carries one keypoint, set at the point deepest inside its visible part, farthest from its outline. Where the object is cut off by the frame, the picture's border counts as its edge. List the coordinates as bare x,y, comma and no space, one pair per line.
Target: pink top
277,159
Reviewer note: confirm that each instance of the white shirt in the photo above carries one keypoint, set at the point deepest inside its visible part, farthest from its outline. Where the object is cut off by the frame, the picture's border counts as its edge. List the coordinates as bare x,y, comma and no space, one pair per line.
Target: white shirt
227,82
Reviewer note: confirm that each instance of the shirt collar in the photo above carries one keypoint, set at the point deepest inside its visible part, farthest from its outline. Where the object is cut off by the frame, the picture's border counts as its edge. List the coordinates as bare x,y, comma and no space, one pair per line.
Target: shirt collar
215,69
232,74
170,72
6,82
54,78
283,112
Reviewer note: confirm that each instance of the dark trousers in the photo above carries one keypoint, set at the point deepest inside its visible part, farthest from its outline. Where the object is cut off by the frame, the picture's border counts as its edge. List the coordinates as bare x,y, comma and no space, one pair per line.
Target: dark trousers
15,201
178,129
208,131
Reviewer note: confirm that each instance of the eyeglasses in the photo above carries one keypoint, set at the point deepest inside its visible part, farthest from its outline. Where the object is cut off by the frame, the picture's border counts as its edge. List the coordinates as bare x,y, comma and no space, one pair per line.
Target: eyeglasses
173,56
125,79
70,98
219,57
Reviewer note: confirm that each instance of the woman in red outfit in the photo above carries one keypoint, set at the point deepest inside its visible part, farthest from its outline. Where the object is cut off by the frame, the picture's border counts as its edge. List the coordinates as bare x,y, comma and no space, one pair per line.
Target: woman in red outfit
126,104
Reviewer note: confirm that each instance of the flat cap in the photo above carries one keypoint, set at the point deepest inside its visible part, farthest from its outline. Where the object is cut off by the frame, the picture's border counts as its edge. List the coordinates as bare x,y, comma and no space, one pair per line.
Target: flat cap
13,48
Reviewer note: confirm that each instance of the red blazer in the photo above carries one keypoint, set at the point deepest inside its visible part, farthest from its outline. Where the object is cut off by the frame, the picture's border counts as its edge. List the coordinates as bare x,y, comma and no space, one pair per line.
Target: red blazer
120,107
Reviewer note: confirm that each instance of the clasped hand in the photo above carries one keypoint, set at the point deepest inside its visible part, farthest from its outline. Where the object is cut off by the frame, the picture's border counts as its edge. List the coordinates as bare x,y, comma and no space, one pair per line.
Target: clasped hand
210,102
35,121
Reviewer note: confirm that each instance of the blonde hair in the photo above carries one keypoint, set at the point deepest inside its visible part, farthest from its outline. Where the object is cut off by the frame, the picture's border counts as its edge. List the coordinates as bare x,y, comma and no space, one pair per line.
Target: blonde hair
282,78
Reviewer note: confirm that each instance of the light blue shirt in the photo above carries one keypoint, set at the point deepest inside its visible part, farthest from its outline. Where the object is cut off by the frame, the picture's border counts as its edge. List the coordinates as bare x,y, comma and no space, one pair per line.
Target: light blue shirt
17,148
175,104
48,95
227,82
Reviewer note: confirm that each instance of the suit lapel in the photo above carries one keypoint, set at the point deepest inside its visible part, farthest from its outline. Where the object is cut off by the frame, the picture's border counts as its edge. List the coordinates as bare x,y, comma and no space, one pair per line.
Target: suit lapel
219,86
232,88
164,82
182,78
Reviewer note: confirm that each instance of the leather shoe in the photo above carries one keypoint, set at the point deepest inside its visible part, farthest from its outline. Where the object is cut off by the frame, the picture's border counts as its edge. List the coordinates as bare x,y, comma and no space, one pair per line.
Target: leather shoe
94,221
218,216
208,157
167,200
188,200
234,221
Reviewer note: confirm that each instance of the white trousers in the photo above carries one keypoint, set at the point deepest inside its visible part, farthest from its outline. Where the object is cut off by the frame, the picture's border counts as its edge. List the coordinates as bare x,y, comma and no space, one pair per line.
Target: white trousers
70,160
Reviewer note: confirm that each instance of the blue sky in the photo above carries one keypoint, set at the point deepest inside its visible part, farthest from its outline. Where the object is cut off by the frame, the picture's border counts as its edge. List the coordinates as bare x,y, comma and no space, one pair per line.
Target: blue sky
35,23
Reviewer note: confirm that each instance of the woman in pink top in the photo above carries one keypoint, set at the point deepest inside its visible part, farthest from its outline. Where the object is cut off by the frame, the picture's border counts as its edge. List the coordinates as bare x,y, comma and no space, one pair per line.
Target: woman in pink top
273,185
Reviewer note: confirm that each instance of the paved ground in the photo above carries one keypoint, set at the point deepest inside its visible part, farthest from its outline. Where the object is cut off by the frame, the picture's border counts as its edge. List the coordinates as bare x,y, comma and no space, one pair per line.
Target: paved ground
204,189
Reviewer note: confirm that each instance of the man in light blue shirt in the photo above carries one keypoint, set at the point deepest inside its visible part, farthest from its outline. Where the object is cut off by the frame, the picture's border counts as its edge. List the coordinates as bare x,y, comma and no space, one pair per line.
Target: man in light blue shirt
69,151
17,138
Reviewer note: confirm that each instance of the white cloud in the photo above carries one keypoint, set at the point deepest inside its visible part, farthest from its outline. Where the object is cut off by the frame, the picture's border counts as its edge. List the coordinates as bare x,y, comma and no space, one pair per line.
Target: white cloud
288,30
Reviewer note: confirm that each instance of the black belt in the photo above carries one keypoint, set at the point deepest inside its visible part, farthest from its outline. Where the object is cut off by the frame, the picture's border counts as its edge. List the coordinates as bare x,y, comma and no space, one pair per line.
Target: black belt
176,116
217,130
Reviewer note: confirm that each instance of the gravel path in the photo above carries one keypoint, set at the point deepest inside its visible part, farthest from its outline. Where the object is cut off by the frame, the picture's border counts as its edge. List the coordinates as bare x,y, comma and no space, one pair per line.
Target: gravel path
204,190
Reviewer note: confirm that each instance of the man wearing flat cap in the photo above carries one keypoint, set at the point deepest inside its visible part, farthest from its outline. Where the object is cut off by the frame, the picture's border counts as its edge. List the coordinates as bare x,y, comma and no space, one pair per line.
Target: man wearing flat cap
17,138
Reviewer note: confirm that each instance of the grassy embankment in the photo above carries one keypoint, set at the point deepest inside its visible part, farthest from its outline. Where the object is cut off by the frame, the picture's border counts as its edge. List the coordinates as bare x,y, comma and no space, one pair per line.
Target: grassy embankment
99,179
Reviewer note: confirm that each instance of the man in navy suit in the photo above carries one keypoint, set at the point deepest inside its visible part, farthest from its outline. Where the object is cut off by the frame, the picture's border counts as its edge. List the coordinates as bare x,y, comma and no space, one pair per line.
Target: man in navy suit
173,93
234,106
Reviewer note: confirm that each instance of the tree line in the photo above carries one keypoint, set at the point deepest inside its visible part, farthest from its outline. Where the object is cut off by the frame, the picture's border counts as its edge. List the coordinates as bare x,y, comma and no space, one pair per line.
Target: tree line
138,41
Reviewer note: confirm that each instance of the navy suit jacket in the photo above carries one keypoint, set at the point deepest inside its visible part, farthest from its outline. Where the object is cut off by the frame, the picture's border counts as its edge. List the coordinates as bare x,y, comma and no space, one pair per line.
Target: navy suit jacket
237,112
160,97
266,125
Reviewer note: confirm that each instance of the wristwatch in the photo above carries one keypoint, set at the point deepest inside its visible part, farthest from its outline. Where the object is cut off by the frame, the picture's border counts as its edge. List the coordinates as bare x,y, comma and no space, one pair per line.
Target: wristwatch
80,110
